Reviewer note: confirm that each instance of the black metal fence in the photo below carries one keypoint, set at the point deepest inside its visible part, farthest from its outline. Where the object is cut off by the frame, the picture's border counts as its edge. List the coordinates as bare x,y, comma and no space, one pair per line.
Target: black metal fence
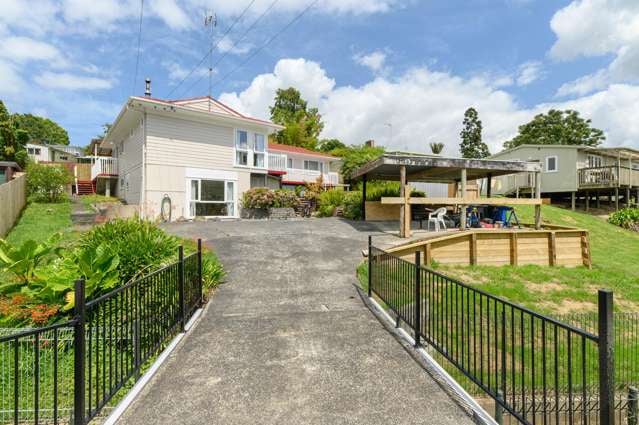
104,346
536,368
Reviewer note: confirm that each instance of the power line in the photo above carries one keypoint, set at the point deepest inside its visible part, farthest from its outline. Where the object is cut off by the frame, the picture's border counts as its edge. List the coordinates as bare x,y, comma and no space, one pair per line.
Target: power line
268,9
137,59
211,49
269,41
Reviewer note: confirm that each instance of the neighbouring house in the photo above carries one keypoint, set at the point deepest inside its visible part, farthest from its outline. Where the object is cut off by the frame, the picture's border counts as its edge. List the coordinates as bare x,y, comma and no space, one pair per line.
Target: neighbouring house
54,153
7,170
575,172
196,157
297,166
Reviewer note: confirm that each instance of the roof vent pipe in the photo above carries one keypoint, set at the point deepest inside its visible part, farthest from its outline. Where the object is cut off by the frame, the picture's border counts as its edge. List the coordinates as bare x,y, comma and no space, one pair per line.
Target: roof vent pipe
147,87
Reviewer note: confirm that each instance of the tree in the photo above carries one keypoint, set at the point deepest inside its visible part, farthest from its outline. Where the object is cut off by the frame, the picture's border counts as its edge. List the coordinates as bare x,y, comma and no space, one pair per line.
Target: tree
13,141
303,124
436,147
328,145
47,183
354,157
557,128
40,129
471,145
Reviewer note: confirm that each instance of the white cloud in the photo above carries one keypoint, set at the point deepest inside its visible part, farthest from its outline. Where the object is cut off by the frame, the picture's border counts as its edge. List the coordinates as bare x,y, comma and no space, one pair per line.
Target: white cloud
172,14
375,61
356,7
228,45
177,72
425,106
10,80
595,28
529,72
66,81
22,49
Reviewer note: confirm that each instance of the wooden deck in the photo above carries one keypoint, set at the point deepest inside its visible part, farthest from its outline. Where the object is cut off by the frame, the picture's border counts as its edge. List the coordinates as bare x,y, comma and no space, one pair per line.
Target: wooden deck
549,246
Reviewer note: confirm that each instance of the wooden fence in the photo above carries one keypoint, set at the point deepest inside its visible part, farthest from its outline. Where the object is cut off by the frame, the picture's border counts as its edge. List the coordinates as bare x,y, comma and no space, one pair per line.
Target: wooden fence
13,197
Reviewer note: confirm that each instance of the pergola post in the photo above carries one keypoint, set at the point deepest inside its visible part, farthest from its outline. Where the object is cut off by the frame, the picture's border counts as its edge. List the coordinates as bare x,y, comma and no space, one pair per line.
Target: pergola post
489,188
402,206
462,216
538,196
364,197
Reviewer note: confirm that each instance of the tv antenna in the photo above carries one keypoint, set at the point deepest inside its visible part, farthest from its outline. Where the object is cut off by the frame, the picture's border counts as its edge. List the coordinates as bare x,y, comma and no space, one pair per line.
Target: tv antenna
210,21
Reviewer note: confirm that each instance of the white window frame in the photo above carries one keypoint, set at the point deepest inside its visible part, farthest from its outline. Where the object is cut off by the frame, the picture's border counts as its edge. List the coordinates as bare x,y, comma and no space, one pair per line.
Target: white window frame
217,175
289,163
546,168
594,159
251,152
320,165
229,196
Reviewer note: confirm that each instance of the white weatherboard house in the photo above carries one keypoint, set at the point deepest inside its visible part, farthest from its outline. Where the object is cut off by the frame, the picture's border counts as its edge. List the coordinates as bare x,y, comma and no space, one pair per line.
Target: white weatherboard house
197,157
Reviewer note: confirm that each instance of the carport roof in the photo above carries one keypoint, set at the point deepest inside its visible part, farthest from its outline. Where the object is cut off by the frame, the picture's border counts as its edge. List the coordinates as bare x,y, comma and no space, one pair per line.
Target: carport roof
431,168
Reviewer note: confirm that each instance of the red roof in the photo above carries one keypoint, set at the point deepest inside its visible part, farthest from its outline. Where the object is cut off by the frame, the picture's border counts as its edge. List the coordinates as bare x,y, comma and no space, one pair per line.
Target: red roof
296,149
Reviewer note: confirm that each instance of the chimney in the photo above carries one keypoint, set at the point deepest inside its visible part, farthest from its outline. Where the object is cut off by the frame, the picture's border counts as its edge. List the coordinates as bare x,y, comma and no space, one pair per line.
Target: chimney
147,87
370,143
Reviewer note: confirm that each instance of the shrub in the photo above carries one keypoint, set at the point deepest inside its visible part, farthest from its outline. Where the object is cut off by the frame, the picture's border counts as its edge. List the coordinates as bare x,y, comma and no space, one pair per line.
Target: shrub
47,183
377,190
140,245
262,198
353,205
628,218
329,200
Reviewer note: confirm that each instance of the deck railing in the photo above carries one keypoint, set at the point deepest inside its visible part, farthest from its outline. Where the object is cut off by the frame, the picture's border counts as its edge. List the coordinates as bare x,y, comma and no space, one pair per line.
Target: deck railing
276,162
310,176
104,166
607,176
536,368
68,372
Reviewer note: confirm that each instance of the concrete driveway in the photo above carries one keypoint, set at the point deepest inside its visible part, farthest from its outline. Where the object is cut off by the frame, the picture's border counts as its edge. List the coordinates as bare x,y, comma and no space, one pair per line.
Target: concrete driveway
288,341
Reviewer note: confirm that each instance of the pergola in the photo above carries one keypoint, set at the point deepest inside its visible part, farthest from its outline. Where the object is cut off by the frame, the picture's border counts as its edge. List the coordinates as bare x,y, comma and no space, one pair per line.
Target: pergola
405,168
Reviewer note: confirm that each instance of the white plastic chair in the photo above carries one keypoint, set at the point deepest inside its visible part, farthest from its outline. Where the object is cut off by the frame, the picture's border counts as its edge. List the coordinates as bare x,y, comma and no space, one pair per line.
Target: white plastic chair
437,217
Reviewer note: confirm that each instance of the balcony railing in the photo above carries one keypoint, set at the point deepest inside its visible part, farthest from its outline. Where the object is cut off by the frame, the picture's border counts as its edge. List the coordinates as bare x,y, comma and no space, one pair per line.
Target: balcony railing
310,176
276,162
104,166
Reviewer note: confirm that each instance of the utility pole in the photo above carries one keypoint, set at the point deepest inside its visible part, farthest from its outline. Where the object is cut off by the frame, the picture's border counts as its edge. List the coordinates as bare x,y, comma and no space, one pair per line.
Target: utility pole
210,21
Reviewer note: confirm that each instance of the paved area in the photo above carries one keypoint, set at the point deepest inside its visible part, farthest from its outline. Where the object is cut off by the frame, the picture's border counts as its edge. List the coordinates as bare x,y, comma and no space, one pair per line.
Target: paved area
288,341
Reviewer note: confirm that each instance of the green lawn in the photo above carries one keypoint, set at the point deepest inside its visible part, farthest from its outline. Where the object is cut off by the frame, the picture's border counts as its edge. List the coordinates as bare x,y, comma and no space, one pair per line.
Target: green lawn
87,200
615,254
40,221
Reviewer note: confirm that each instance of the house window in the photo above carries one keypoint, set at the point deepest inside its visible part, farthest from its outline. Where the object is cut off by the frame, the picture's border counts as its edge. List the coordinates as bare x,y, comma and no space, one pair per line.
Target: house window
37,151
241,148
212,198
313,166
551,164
259,149
289,162
63,158
30,151
595,161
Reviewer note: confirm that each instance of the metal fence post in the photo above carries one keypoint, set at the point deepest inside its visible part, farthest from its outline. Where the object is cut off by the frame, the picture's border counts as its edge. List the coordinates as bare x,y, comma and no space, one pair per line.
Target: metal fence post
199,271
370,266
606,359
633,406
137,355
181,287
418,300
499,410
79,348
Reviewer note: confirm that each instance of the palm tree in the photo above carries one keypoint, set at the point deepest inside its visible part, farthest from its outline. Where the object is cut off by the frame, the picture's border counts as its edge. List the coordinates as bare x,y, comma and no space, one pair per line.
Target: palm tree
436,147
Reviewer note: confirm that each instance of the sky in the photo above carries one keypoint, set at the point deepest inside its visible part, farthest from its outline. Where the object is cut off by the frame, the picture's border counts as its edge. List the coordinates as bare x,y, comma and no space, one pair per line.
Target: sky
399,72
